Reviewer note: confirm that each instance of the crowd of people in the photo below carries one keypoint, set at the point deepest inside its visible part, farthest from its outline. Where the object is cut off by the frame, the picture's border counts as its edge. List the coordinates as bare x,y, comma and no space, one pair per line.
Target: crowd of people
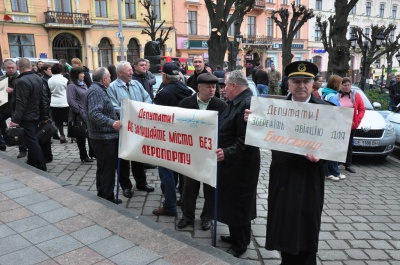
296,183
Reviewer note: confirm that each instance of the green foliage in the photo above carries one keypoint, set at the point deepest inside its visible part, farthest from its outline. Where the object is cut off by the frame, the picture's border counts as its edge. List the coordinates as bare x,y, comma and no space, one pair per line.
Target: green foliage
375,95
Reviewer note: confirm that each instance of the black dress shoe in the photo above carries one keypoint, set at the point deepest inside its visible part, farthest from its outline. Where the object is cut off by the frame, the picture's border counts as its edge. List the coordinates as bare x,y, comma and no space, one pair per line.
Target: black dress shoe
21,154
235,253
146,188
183,223
226,239
205,225
128,193
350,169
86,159
114,200
3,148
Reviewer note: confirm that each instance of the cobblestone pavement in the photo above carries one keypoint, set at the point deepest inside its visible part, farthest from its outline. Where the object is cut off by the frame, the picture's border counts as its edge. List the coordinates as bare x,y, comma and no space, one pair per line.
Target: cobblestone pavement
360,222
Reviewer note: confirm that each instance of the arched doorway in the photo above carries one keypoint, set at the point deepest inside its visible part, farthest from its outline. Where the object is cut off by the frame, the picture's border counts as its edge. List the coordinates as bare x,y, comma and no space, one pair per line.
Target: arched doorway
133,50
66,46
105,52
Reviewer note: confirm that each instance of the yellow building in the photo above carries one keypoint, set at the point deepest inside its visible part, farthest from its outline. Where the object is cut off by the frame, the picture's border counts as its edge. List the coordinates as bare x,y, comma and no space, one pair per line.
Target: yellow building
64,29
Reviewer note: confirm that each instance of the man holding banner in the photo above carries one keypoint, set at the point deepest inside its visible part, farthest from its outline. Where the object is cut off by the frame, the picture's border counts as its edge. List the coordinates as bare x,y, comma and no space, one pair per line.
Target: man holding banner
170,95
238,167
125,87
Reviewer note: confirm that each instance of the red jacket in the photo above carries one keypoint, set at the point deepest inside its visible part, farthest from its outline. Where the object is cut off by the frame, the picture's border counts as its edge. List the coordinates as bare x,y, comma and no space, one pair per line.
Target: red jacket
359,109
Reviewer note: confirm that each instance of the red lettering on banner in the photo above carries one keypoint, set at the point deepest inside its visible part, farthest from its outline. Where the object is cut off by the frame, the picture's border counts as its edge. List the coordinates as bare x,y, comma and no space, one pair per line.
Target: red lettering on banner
205,142
166,154
130,126
154,116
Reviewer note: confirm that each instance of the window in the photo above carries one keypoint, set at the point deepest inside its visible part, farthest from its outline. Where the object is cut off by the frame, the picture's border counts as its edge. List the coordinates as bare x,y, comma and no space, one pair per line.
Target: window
391,36
270,28
351,28
394,11
192,23
318,5
270,1
368,8
155,6
101,8
284,2
231,30
251,26
353,10
298,2
317,33
381,10
133,50
63,5
130,9
19,6
105,52
297,35
21,45
367,30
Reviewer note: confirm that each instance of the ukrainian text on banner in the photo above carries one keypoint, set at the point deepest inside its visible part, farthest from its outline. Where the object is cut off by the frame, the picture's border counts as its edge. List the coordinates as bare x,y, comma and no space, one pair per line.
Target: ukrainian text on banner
184,140
300,128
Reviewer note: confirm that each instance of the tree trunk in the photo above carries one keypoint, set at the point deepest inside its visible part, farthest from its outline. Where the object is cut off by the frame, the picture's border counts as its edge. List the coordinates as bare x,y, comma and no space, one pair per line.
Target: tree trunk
287,55
217,46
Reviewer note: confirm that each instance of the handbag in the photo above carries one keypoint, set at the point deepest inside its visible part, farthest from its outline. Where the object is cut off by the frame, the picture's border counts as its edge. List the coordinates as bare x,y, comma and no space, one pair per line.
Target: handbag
45,131
76,129
14,136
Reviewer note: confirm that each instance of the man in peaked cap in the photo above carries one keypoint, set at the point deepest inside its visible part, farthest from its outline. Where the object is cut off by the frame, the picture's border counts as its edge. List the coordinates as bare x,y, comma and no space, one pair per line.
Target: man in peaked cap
205,99
296,186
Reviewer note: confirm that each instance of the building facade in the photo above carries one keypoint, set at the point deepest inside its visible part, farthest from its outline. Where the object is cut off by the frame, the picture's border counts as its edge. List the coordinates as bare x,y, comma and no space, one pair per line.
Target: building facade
64,29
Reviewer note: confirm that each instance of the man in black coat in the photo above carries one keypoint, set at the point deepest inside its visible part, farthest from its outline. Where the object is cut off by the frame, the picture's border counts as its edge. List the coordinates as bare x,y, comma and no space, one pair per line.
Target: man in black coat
199,68
204,100
170,94
238,167
296,186
140,75
28,94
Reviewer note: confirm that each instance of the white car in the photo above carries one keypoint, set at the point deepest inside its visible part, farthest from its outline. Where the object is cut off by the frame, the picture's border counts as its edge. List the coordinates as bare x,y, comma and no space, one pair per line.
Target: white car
394,118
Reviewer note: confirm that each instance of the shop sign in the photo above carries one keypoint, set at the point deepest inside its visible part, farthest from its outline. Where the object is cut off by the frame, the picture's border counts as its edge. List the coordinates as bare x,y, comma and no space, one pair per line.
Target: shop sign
198,44
294,46
319,51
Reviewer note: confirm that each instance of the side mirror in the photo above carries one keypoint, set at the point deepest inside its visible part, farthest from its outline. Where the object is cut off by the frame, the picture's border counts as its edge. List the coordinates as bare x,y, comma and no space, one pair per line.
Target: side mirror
376,105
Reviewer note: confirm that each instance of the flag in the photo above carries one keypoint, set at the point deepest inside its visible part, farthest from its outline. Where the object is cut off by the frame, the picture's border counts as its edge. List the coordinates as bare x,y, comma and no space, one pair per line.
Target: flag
8,18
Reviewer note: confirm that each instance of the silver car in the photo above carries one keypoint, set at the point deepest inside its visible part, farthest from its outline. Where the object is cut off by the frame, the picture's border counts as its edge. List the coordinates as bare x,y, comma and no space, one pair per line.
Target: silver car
375,136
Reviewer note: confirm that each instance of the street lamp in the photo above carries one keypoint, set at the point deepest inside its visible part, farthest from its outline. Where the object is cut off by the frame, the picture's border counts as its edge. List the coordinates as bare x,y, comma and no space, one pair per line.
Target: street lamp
233,45
383,75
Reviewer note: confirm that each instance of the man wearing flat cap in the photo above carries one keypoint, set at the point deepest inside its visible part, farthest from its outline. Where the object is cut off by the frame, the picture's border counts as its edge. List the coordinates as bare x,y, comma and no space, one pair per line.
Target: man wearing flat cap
296,186
171,94
205,99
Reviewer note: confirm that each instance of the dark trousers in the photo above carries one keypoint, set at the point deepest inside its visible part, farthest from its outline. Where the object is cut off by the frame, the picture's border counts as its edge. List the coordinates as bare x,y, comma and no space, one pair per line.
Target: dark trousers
46,149
303,258
137,171
35,154
350,150
190,192
107,155
82,147
240,236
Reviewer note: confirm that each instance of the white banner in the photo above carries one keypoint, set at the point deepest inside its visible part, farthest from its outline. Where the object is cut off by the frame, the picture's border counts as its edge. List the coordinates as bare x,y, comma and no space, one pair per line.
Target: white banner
3,92
300,128
183,140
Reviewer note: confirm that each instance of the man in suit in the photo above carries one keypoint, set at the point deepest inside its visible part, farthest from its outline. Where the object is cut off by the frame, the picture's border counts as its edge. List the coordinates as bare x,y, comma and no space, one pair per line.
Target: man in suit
205,99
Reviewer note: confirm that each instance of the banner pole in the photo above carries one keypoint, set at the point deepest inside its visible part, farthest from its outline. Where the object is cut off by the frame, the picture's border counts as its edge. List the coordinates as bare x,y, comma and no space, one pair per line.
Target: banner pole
215,211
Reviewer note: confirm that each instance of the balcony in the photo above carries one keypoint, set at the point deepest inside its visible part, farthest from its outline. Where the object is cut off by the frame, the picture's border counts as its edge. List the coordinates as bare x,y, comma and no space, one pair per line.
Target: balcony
67,20
259,4
257,40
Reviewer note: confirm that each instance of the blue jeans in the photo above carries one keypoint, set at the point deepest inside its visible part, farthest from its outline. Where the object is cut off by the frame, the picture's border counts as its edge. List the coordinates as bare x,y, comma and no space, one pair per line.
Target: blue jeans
262,89
331,168
168,188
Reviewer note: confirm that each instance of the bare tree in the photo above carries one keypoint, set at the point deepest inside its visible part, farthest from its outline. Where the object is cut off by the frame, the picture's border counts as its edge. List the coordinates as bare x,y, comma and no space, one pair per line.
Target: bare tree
334,38
289,24
221,20
151,19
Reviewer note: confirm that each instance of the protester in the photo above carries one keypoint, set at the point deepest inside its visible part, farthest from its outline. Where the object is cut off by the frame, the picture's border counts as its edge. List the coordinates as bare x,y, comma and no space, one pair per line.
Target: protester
392,81
395,91
199,68
261,80
59,103
125,87
238,167
317,85
205,100
274,78
76,93
113,72
222,90
28,94
103,126
171,94
331,95
46,145
149,75
76,62
219,72
349,98
254,71
139,74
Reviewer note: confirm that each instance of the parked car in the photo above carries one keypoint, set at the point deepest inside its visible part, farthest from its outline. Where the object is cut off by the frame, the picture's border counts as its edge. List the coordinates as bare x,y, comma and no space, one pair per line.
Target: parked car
252,87
394,117
375,136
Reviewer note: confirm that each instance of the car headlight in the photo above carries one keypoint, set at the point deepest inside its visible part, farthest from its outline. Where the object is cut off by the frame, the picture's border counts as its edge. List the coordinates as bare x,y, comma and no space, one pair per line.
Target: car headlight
389,130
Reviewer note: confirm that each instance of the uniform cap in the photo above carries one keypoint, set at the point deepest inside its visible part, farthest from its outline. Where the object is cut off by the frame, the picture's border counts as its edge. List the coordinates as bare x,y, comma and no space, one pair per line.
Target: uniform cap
301,69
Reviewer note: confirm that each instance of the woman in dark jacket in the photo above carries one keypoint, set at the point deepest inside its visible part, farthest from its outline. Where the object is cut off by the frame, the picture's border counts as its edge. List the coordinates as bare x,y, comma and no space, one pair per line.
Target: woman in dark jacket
76,92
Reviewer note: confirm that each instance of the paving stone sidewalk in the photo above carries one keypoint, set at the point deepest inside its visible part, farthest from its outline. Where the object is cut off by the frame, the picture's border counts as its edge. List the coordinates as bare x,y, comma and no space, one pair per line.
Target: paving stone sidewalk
360,222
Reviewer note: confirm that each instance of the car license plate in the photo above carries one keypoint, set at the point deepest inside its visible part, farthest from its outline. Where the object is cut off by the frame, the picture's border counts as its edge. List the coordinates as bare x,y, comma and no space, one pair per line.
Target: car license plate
366,143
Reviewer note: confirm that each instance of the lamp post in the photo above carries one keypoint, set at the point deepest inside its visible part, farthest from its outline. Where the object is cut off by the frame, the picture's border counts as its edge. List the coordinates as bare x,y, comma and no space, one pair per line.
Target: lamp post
365,46
382,76
233,45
